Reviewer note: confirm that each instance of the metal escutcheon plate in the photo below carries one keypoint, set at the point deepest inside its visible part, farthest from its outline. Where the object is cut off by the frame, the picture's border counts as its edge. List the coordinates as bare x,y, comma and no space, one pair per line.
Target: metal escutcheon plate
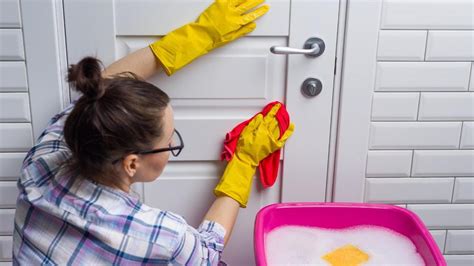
311,87
311,41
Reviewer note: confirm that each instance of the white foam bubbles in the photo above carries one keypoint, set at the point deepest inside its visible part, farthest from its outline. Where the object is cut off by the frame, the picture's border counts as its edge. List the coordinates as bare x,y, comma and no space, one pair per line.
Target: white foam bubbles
298,245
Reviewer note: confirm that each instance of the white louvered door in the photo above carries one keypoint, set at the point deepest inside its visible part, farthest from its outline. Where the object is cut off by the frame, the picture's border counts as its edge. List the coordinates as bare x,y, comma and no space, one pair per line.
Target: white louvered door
31,92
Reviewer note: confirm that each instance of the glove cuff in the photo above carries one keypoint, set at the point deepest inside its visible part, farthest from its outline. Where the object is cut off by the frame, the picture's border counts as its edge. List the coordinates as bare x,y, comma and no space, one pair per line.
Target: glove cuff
162,56
236,182
180,47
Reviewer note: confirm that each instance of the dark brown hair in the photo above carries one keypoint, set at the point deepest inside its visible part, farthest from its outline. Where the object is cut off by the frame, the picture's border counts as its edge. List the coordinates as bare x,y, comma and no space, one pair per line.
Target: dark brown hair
114,117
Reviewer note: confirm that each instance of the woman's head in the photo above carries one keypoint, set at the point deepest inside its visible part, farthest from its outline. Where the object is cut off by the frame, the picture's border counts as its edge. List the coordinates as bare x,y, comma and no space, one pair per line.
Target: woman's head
112,122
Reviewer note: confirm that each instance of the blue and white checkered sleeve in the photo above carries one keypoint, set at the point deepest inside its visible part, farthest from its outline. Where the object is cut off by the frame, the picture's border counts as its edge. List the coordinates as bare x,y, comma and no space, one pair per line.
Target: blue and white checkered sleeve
52,138
202,246
55,127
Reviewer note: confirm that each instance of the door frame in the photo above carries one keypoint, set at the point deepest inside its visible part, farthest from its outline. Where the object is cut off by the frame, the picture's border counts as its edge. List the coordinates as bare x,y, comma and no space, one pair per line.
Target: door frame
336,100
357,85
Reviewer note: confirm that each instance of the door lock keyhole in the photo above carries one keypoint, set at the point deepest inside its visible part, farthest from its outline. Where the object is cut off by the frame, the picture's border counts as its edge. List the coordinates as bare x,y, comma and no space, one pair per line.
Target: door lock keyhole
311,87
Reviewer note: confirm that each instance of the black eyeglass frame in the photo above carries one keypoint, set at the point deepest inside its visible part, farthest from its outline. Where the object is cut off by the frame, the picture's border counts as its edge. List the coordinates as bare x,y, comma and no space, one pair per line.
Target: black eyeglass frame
172,149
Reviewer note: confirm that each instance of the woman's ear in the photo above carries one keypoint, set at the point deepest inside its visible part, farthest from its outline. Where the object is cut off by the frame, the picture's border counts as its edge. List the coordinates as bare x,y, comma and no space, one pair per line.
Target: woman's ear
130,164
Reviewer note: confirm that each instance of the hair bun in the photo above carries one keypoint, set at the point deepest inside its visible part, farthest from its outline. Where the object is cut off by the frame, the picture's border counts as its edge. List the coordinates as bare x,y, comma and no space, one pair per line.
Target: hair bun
86,77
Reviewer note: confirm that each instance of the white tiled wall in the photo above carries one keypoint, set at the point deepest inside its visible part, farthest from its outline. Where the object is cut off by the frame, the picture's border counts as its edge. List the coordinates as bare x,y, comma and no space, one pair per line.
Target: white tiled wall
16,135
421,135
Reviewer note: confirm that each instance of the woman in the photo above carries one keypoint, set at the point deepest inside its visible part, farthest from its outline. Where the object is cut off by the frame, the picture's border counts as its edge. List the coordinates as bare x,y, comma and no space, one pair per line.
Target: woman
75,205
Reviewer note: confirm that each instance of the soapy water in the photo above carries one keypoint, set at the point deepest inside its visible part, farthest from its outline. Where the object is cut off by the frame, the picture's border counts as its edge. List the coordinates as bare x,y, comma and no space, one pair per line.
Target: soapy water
299,245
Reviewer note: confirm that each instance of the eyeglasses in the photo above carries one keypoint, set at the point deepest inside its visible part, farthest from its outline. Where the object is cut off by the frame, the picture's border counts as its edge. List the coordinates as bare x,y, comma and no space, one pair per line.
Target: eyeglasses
175,150
173,147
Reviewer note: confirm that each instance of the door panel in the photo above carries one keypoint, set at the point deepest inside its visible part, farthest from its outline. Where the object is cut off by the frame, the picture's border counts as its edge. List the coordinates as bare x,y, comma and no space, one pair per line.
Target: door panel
158,17
221,89
245,77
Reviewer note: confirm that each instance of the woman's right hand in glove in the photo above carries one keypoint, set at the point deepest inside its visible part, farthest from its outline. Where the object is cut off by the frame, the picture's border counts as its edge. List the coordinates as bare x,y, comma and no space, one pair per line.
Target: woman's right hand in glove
259,139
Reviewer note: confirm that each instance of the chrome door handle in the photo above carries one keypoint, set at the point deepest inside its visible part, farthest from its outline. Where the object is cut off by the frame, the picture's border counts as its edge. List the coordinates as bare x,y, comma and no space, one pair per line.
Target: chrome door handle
313,47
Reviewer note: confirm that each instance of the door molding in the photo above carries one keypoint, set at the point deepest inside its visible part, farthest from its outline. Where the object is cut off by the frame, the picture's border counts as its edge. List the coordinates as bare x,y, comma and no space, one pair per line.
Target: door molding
336,100
357,86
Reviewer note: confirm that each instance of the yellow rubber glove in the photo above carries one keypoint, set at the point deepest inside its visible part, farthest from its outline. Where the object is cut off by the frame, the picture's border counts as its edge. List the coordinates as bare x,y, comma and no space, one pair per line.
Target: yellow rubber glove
259,139
223,21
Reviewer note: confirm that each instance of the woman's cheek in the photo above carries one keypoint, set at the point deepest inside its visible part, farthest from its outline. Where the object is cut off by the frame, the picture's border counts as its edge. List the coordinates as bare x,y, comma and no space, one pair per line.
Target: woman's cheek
163,161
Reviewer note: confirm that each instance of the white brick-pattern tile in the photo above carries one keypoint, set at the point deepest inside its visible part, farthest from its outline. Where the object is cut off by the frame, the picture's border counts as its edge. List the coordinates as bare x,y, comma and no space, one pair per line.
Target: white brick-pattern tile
14,107
401,45
15,137
6,221
12,44
8,194
467,136
450,45
13,77
421,142
386,106
409,190
463,190
10,165
445,216
443,163
460,242
459,260
422,76
427,14
6,247
389,163
415,135
446,106
440,238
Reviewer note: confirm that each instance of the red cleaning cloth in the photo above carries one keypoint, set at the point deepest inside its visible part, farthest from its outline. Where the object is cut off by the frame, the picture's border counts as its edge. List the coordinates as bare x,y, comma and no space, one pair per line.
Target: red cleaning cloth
268,167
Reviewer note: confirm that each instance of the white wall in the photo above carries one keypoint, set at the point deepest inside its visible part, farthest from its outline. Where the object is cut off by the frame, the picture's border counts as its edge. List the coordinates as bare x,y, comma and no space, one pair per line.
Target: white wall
407,113
421,133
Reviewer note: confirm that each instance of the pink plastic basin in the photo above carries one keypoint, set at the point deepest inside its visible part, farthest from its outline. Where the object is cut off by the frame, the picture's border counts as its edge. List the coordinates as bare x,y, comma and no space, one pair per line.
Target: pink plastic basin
343,215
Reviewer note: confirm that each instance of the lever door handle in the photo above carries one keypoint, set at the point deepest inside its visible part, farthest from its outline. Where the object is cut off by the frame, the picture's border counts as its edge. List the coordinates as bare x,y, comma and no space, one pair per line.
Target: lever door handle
313,47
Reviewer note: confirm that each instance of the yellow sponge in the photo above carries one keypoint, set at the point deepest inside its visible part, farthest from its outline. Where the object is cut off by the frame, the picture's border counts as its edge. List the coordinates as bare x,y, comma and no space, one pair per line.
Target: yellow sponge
347,255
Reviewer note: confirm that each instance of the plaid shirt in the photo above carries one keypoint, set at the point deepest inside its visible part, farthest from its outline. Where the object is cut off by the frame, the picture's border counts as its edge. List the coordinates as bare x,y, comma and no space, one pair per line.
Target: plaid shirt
65,220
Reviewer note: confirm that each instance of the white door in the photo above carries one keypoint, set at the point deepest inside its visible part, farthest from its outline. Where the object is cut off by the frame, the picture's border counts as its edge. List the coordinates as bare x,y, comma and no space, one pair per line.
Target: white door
221,89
